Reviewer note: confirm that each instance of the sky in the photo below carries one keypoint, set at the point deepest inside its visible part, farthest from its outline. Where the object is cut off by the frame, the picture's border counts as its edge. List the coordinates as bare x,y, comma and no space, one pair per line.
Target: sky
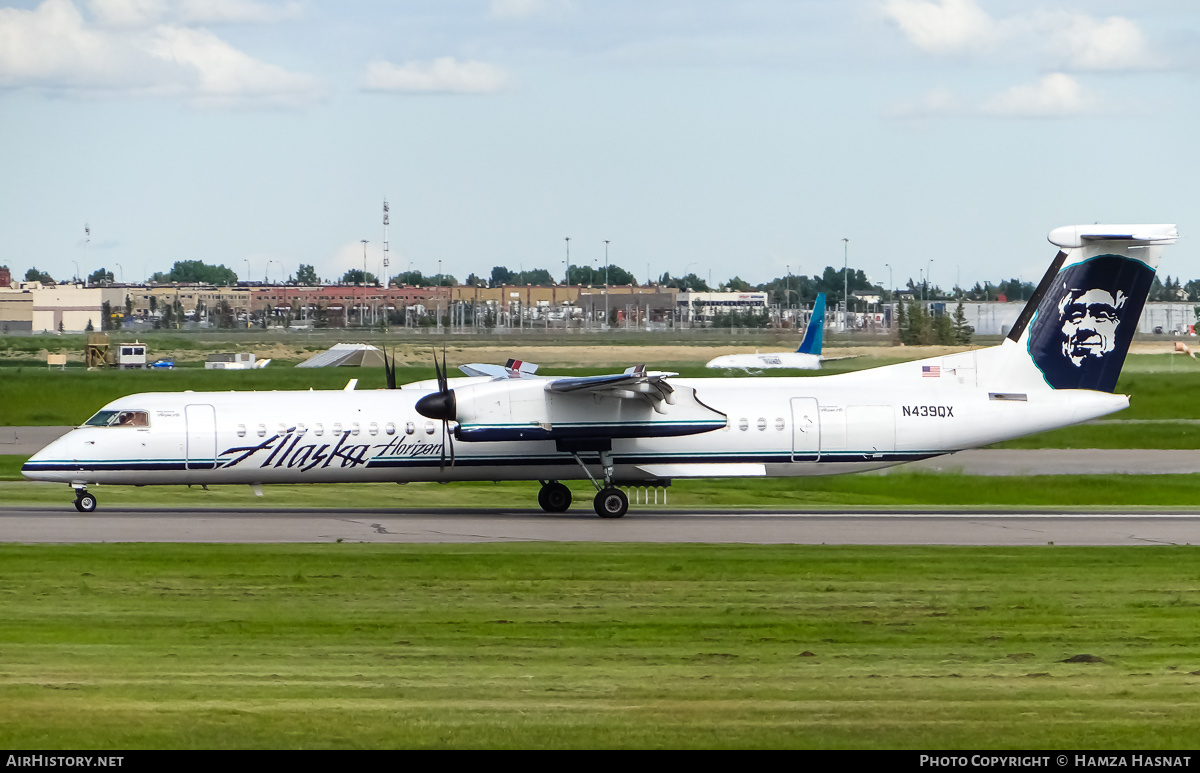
746,138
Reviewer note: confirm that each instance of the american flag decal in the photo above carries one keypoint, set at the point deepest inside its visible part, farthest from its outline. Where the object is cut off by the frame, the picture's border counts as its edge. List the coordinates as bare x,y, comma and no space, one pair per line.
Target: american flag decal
931,371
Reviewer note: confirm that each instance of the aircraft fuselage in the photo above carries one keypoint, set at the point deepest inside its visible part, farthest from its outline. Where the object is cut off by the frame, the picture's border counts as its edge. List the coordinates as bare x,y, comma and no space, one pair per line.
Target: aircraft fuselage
774,427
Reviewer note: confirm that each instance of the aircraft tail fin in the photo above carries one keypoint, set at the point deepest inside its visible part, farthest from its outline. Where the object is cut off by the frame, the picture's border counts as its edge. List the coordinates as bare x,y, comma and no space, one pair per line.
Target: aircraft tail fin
1078,325
815,332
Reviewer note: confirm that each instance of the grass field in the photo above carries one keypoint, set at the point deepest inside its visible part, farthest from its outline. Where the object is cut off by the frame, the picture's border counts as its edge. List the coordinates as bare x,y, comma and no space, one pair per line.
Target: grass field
597,646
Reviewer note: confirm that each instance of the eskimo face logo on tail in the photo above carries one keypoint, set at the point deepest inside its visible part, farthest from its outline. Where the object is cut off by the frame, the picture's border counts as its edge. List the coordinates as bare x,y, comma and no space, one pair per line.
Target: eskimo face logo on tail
1090,319
1084,324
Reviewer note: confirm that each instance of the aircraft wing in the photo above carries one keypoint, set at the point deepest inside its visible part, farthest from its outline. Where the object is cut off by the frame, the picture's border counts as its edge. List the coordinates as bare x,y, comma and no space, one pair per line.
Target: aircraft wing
635,382
515,404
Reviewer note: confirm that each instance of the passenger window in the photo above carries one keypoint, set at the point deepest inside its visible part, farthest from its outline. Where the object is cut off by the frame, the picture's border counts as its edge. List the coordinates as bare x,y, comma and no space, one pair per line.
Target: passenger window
319,428
337,428
354,429
779,424
390,428
241,432
373,428
743,424
410,428
429,428
262,430
762,424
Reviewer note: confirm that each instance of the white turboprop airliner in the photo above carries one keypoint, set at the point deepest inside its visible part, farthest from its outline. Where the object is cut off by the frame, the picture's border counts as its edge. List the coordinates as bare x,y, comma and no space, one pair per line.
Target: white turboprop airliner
1058,366
807,357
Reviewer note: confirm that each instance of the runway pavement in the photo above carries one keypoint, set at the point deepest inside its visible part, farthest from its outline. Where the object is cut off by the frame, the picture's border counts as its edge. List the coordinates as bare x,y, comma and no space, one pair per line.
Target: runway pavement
53,525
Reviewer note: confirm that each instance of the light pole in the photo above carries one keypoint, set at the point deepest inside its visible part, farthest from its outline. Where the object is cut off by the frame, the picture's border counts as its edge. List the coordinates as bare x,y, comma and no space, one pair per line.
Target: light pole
891,288
606,282
929,277
362,317
845,282
567,262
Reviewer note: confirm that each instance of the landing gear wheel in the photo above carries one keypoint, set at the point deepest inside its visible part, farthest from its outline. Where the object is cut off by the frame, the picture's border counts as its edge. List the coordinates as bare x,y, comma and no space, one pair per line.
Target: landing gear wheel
611,503
85,503
554,497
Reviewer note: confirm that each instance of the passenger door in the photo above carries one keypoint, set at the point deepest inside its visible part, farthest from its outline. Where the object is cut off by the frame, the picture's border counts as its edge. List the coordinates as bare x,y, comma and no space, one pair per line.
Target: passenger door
201,446
806,429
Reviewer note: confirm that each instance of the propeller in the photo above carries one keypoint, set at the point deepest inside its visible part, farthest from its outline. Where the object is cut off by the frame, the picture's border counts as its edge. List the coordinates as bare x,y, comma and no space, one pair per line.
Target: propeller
389,369
441,406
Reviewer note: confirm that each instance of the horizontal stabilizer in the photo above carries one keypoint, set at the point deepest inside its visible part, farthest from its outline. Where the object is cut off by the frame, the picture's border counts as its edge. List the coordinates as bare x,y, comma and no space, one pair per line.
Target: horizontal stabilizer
1077,235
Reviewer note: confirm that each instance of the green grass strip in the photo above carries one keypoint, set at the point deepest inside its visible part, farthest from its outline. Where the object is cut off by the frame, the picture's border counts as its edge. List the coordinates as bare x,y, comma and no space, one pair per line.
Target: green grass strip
597,646
898,489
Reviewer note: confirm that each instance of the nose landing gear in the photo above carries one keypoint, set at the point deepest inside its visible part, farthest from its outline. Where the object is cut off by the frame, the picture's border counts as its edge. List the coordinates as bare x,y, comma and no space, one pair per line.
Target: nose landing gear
84,502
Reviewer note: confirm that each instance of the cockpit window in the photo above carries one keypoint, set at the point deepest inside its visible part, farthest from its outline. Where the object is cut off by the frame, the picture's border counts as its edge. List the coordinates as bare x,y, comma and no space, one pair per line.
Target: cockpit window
119,419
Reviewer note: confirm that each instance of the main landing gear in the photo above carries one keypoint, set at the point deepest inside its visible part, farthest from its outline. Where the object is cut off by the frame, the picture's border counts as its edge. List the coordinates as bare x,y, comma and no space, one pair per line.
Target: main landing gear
554,497
84,502
610,502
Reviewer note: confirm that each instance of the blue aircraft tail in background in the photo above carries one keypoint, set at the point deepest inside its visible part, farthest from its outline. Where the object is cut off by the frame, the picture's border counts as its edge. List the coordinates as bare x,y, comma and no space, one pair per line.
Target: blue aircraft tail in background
816,328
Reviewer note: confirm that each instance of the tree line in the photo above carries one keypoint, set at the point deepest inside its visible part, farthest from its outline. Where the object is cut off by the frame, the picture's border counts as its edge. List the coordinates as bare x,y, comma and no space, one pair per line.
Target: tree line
788,291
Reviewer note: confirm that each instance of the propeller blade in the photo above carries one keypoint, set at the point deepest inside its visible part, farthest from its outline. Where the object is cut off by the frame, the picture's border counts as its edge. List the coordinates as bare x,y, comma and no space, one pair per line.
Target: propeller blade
443,380
442,466
389,370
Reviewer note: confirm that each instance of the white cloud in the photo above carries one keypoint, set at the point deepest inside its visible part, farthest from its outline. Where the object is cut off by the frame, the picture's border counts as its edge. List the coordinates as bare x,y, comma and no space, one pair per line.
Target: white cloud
128,13
220,74
1084,43
1065,40
350,257
518,9
445,75
145,13
1056,95
942,26
51,47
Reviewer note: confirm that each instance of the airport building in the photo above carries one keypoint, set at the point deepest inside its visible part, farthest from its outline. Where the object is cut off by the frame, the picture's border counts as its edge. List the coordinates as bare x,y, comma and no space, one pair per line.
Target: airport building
34,307
705,307
27,307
